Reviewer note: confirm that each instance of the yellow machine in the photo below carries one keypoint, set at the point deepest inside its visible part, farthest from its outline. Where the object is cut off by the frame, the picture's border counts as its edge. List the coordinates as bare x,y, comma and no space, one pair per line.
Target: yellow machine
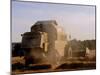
46,41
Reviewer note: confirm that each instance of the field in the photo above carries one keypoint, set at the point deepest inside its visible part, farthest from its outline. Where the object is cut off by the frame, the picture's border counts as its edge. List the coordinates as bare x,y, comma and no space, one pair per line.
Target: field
68,65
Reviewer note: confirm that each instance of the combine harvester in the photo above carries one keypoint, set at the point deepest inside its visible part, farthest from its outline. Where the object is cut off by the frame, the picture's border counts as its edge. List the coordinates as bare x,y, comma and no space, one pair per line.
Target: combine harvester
45,43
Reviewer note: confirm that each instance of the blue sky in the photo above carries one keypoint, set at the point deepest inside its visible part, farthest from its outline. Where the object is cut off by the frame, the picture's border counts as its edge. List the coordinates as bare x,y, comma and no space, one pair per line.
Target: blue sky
77,21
